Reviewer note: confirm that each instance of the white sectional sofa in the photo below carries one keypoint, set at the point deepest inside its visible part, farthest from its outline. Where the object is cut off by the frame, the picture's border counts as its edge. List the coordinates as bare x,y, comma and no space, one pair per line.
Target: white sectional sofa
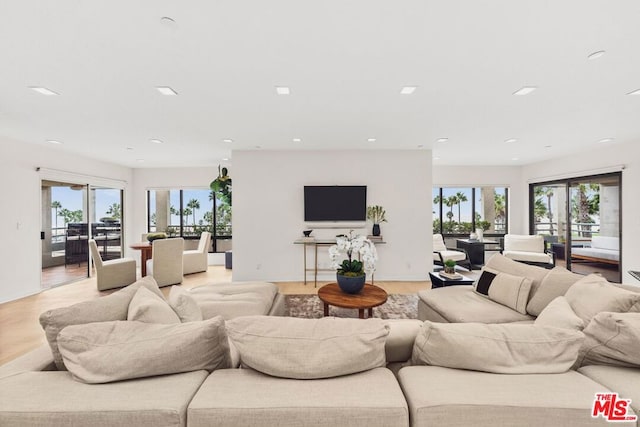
330,372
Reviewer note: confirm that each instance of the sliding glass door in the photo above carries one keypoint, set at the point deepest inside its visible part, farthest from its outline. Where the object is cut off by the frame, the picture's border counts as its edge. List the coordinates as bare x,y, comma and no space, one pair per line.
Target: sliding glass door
580,219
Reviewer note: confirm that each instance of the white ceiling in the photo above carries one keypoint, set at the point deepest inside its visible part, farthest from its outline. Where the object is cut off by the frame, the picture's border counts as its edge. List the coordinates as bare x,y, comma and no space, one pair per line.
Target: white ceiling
345,62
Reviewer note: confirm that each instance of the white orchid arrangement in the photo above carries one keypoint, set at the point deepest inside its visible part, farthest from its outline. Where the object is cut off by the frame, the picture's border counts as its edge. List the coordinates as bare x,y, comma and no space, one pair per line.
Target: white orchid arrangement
360,251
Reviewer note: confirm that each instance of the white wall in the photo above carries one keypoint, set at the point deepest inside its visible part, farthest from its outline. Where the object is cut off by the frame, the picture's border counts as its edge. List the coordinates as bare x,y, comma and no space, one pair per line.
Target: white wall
602,160
496,176
20,211
268,209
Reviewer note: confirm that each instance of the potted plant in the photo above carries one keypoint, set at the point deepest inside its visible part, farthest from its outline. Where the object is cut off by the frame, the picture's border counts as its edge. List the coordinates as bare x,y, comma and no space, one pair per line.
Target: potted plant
376,214
361,259
450,266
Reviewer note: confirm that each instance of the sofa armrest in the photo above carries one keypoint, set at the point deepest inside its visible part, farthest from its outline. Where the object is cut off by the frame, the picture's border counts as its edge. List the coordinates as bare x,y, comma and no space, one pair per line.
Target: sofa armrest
399,343
39,359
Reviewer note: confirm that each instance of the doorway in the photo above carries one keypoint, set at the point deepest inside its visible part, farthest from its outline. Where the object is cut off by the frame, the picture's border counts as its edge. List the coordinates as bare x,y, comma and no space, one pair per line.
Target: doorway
64,234
581,221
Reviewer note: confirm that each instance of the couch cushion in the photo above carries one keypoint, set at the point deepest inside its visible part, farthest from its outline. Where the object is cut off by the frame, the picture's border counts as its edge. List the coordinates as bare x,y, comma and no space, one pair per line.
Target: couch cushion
511,291
113,351
453,397
559,314
593,294
459,304
399,343
536,274
182,302
606,242
103,309
612,339
626,381
231,300
145,306
308,348
555,284
244,397
497,348
40,399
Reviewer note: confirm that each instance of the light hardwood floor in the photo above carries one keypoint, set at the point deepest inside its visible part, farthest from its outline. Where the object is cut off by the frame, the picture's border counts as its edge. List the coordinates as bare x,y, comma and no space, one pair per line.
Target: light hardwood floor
20,330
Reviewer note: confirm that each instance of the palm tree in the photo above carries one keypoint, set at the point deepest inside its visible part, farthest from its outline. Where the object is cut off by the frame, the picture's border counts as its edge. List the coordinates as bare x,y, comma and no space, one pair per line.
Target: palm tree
56,205
548,193
194,205
460,197
114,211
450,202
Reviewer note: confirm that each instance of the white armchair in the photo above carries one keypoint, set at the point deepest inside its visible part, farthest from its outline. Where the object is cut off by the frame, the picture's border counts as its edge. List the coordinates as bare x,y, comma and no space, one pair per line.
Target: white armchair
527,249
441,253
166,264
195,261
116,273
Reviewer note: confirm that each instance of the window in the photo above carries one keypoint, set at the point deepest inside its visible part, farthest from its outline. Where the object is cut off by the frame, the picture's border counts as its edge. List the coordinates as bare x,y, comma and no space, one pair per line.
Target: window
187,213
460,210
580,220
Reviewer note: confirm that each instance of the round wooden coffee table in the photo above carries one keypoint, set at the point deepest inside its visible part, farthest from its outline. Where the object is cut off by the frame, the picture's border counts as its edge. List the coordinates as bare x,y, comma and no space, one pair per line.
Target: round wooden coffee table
370,296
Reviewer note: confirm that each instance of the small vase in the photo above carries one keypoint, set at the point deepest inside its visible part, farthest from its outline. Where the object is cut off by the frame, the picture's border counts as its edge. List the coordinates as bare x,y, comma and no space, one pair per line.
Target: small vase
350,285
376,230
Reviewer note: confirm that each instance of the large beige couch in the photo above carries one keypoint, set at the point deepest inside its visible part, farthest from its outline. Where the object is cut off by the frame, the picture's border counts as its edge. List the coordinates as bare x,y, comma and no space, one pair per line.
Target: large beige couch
390,389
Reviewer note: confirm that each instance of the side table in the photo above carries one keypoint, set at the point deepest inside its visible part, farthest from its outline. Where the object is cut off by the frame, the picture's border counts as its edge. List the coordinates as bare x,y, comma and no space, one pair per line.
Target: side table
438,281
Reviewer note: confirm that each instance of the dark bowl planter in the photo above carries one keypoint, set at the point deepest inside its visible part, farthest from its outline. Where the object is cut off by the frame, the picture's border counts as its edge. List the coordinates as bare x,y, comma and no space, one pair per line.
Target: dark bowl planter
350,285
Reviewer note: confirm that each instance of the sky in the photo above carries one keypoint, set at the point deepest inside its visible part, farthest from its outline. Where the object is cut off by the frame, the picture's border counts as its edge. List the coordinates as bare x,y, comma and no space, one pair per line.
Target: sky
72,200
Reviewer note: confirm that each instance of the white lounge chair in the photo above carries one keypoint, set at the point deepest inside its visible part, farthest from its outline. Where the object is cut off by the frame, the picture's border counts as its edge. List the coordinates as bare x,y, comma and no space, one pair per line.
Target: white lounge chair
195,261
441,253
528,249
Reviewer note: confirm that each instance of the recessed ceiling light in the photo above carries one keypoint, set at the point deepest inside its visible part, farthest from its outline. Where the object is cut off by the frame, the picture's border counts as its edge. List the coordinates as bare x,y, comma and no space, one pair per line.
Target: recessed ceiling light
510,140
258,147
525,90
436,158
297,139
55,142
442,140
605,140
547,146
129,148
156,141
139,160
408,90
225,159
596,55
43,90
635,92
227,140
168,21
283,90
166,90
514,158
371,140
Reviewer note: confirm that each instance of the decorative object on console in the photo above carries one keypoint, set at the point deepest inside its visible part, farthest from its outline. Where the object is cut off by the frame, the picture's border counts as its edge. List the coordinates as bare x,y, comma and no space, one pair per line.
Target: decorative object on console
307,233
222,185
351,272
376,214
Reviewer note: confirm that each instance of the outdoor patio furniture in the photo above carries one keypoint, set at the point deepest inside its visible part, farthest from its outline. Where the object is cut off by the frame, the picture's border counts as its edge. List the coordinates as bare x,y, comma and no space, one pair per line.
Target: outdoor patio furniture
441,253
528,249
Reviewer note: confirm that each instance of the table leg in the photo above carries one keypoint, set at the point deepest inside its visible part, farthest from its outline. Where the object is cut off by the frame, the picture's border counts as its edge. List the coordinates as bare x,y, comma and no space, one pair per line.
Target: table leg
361,313
371,312
304,248
326,309
315,268
143,263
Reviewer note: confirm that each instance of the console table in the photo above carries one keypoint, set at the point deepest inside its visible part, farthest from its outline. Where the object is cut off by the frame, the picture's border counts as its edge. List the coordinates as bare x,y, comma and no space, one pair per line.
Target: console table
313,244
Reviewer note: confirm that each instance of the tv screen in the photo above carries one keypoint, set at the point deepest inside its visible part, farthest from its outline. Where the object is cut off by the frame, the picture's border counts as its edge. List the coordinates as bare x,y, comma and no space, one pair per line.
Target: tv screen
335,203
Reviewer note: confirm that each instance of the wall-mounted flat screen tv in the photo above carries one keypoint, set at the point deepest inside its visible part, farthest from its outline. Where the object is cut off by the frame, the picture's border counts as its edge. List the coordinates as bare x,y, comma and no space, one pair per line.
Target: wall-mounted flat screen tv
335,203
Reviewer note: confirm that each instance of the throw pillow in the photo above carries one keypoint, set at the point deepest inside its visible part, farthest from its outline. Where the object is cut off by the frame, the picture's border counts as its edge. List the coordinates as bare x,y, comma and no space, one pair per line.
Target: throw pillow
501,263
482,285
290,347
102,309
112,351
184,305
558,313
497,348
145,306
593,294
612,339
555,284
511,291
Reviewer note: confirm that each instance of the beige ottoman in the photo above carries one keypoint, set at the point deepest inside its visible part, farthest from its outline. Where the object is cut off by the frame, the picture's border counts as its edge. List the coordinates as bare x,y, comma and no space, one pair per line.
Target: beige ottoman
234,299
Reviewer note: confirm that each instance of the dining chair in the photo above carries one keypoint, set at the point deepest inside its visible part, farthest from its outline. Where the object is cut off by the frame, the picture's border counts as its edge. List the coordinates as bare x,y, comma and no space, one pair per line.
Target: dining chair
115,273
166,263
197,260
